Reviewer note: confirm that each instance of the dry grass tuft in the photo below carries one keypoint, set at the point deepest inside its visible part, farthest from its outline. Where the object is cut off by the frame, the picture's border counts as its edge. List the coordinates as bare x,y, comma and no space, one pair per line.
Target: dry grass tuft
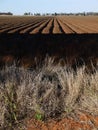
45,92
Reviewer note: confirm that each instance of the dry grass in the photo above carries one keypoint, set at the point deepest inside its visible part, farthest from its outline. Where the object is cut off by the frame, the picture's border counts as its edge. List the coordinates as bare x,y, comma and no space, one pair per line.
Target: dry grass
45,92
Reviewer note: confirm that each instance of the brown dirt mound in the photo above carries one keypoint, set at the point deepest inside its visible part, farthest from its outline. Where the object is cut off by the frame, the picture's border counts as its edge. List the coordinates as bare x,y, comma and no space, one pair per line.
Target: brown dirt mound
82,121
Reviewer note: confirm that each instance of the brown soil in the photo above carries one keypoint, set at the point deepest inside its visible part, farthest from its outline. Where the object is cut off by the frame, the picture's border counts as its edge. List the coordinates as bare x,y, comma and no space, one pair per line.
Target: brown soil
82,121
61,24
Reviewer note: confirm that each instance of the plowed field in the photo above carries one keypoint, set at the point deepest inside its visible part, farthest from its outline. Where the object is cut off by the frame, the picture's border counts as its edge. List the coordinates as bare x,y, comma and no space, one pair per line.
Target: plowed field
49,25
70,40
22,38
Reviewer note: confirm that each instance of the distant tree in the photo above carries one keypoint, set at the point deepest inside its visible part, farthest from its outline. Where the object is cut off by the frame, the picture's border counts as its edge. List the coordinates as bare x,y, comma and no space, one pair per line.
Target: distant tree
84,13
8,13
55,14
37,14
27,13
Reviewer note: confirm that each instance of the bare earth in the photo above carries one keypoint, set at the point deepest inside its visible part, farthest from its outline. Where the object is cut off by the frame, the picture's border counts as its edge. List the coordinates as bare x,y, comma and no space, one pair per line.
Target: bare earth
49,24
82,121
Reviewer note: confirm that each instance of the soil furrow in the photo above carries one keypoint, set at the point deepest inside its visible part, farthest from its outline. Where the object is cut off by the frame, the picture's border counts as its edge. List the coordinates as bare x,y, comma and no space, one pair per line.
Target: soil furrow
69,27
23,27
61,28
56,28
65,28
29,29
12,27
48,29
40,28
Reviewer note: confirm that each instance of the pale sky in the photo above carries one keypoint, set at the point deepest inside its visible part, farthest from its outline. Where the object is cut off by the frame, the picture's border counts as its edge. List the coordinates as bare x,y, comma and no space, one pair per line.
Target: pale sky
48,6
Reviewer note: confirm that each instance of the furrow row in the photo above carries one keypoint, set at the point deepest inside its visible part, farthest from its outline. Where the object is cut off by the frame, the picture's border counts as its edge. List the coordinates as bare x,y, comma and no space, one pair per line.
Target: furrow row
49,25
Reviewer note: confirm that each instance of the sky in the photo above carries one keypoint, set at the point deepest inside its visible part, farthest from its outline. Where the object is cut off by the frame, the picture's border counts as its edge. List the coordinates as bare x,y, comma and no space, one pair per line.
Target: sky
19,7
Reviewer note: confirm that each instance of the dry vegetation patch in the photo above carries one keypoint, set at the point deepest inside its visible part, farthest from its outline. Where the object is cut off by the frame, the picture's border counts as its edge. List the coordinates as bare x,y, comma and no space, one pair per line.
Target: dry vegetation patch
45,93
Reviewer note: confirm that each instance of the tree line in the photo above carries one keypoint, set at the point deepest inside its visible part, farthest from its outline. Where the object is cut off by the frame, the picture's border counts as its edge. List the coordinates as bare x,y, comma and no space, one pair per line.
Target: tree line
54,14
66,14
4,13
